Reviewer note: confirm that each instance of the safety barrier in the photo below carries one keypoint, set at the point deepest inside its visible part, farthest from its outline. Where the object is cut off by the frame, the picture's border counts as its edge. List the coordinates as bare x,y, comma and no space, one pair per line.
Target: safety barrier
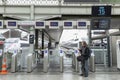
49,2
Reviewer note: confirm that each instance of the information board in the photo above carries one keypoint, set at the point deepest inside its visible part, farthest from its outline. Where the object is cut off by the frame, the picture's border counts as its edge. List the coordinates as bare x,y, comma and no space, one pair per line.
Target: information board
1,24
12,24
54,25
81,24
40,25
103,24
67,24
101,11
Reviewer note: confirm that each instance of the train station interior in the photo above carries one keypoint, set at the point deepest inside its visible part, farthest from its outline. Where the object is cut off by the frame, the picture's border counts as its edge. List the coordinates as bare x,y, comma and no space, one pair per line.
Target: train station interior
41,39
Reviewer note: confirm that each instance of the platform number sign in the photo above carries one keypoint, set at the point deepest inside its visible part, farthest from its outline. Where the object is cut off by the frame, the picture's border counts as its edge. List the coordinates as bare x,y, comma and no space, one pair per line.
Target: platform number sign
101,11
31,39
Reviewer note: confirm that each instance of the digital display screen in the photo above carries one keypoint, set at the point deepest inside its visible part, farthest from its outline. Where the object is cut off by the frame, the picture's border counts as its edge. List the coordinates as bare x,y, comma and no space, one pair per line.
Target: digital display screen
54,24
12,23
100,24
31,39
40,24
68,24
82,24
99,11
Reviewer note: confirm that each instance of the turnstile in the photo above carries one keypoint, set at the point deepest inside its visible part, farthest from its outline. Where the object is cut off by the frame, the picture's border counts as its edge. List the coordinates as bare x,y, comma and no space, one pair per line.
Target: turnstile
75,63
92,63
29,63
61,61
14,63
46,61
0,62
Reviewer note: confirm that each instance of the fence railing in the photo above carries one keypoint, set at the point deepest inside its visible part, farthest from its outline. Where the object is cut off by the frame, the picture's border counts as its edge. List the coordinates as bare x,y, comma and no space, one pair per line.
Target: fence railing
50,2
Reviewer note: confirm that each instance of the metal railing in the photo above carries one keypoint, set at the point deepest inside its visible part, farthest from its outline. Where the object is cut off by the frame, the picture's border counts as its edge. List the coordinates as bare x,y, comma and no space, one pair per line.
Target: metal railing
30,2
50,2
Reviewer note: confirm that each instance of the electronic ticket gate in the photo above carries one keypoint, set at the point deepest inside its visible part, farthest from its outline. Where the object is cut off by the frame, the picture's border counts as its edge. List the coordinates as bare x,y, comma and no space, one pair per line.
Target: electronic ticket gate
61,60
92,62
14,61
75,63
46,61
1,53
29,62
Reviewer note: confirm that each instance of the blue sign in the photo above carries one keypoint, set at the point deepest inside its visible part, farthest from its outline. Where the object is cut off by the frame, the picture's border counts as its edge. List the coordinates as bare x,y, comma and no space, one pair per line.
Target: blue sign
46,51
76,51
68,24
15,51
12,23
61,51
54,24
40,24
81,23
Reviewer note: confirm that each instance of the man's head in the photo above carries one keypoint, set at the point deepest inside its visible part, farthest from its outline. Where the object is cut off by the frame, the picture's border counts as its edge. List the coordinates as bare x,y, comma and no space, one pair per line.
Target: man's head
84,43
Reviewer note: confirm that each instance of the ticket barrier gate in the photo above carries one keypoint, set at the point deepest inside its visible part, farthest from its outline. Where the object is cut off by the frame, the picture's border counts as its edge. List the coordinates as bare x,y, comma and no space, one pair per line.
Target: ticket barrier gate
75,63
0,62
30,63
92,62
61,61
46,61
14,63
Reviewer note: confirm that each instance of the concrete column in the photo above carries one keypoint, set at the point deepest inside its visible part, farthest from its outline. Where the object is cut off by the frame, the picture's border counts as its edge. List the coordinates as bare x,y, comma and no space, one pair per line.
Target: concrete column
32,11
108,49
89,35
32,30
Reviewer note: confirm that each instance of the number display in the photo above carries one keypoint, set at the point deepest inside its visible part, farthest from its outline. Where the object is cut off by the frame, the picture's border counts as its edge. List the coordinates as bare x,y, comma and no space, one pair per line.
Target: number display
101,11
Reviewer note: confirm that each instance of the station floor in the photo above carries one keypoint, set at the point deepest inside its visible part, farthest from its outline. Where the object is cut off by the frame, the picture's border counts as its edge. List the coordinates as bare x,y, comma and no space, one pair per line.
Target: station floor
61,76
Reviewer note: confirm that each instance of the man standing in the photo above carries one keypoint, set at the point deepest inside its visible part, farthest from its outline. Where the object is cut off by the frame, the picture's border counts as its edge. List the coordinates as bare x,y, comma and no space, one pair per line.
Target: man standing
85,52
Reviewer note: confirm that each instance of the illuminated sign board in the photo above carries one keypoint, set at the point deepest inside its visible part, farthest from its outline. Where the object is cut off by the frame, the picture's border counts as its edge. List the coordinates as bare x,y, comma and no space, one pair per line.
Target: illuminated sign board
12,24
54,24
98,24
1,24
68,24
101,11
40,25
81,24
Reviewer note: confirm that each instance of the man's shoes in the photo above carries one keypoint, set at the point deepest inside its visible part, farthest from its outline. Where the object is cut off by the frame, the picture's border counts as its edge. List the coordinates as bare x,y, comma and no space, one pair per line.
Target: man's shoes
81,74
85,76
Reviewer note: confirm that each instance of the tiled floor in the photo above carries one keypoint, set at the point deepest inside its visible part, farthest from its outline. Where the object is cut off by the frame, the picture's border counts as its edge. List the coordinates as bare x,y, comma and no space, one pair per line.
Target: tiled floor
60,76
